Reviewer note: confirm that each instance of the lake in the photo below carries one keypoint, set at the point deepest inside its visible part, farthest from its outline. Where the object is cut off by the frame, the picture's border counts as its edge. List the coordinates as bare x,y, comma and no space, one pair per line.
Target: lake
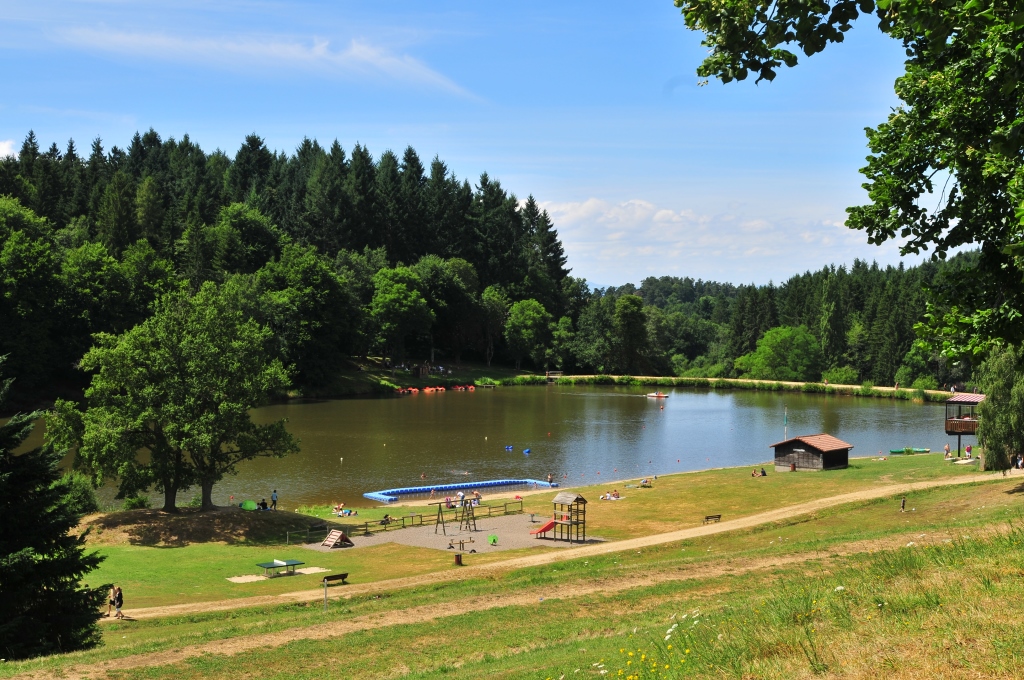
581,435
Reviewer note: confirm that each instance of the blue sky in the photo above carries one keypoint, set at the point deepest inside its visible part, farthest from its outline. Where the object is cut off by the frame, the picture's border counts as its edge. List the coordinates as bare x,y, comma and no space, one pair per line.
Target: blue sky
592,107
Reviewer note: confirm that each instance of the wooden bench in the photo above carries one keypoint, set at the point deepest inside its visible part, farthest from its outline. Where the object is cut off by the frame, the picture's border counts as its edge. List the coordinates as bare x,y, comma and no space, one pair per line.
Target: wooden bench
335,577
708,519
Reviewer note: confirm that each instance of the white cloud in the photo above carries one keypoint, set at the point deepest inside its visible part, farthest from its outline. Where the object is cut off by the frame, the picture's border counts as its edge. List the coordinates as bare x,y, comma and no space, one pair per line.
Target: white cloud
614,243
6,148
359,58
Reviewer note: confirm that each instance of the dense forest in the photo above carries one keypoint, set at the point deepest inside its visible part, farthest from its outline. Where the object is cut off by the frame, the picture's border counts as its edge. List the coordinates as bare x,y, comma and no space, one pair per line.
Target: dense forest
346,255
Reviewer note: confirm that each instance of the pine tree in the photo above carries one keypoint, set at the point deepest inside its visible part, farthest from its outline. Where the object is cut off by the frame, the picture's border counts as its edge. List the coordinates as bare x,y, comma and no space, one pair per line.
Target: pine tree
45,607
389,214
117,226
833,330
360,197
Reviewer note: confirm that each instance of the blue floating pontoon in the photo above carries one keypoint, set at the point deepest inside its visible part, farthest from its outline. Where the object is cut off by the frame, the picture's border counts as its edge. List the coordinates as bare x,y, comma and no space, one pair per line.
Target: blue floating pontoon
391,495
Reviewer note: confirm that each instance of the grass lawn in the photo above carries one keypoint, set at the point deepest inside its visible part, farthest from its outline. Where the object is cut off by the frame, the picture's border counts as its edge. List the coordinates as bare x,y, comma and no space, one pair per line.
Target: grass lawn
154,575
682,500
956,602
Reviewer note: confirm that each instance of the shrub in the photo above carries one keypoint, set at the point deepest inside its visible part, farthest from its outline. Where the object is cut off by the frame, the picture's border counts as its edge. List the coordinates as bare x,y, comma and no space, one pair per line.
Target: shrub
80,497
486,381
840,375
867,388
196,501
925,382
136,503
385,387
525,380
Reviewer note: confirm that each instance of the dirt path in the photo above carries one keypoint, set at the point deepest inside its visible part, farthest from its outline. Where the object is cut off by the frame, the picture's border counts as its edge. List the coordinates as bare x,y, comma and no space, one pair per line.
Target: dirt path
534,597
554,556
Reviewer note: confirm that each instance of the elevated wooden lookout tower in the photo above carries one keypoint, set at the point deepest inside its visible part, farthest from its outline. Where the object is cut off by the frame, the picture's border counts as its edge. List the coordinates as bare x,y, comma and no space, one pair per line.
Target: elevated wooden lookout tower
962,415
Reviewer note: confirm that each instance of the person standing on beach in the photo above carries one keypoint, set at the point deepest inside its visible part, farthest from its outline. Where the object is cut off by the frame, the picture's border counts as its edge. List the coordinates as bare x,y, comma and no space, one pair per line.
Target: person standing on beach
903,504
273,500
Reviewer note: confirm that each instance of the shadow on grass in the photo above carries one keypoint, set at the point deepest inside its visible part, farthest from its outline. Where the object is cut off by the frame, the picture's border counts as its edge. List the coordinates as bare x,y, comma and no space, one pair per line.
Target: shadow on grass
228,525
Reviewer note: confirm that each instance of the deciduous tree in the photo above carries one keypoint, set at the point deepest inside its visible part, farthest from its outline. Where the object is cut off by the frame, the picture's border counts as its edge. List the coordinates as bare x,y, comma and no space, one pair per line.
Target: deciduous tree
179,387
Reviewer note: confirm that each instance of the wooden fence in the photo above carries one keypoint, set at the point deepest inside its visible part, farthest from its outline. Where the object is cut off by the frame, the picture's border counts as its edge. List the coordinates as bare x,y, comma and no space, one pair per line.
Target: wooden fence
368,528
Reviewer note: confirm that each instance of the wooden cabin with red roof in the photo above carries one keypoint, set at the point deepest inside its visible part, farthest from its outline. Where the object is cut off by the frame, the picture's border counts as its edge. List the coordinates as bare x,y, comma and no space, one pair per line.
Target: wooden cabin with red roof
812,452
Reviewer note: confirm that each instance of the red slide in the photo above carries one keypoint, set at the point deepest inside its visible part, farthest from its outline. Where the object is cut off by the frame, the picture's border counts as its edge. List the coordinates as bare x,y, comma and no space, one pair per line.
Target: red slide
546,528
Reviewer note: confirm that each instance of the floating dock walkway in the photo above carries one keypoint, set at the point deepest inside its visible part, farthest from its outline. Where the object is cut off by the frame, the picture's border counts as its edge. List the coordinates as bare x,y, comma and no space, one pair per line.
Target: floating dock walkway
392,495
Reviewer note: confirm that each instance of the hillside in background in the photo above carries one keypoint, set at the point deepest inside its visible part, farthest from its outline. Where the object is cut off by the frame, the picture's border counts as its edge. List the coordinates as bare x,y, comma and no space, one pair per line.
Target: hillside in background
347,255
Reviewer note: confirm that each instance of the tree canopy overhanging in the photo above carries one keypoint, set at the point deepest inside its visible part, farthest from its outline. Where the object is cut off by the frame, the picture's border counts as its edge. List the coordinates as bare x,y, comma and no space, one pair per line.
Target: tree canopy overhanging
945,170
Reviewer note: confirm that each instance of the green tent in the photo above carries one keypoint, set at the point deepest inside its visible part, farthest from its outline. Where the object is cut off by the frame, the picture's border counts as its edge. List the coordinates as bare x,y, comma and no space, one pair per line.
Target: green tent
247,505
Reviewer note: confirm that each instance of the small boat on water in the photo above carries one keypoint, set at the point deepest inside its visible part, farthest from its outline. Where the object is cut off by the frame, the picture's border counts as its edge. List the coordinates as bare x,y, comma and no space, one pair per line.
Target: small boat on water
657,395
910,450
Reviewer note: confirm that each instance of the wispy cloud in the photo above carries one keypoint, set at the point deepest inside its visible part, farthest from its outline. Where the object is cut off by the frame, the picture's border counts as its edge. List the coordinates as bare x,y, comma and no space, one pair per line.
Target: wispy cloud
6,148
612,243
360,58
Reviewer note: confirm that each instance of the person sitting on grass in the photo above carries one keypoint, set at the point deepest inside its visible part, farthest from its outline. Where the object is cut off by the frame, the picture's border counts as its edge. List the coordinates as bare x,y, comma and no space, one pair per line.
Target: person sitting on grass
755,473
262,505
386,521
338,507
615,494
763,473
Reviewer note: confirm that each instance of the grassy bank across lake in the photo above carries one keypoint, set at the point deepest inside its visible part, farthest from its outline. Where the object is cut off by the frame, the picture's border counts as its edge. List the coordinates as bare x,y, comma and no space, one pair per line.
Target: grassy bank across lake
865,390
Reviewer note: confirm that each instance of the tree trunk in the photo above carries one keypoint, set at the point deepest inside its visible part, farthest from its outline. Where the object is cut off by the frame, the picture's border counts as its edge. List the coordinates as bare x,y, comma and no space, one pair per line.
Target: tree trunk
208,495
490,351
170,497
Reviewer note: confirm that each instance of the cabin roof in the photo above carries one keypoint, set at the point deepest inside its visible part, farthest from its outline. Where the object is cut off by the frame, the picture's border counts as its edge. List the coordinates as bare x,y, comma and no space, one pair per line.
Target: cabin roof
966,398
821,442
568,498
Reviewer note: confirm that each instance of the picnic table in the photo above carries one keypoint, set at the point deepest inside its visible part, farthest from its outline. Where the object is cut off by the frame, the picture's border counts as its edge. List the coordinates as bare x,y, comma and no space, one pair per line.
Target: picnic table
287,565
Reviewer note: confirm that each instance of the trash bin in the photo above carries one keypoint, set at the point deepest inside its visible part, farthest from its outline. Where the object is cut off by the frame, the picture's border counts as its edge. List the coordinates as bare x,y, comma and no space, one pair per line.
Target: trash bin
792,467
458,559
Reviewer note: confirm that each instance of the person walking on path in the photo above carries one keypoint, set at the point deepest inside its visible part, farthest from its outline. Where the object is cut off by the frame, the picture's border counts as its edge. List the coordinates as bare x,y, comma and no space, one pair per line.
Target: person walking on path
110,600
903,504
273,500
118,602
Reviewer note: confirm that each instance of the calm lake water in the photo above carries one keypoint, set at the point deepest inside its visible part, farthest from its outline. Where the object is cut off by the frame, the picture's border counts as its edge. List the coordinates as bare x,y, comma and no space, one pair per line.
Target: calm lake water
578,434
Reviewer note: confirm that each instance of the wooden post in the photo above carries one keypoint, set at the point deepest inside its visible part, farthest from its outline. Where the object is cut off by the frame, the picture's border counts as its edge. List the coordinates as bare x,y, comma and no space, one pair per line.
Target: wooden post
325,595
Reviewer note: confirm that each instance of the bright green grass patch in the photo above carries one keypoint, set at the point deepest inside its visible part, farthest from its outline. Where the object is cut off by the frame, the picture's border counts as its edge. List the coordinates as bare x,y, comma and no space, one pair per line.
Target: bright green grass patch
198,572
